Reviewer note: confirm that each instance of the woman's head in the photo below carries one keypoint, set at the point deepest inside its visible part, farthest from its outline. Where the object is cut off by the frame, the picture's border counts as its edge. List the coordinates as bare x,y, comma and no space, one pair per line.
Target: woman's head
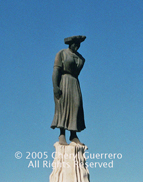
74,42
74,46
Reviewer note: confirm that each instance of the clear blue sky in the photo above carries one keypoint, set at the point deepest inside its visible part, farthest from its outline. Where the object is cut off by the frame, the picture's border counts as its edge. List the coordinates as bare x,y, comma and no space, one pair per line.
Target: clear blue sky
32,32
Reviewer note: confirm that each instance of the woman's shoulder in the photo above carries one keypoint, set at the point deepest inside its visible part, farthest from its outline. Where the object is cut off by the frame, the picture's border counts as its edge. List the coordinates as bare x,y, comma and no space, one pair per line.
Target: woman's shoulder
61,51
80,56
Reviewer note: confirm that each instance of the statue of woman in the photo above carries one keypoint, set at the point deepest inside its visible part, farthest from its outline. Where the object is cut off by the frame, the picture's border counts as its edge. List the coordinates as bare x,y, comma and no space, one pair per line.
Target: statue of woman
69,113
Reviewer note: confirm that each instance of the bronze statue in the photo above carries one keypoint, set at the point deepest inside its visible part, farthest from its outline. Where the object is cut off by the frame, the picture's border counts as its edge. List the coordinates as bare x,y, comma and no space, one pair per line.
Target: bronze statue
69,113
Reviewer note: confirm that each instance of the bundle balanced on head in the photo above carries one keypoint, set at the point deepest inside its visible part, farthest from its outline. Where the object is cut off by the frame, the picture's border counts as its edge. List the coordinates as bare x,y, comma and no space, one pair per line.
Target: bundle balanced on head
69,113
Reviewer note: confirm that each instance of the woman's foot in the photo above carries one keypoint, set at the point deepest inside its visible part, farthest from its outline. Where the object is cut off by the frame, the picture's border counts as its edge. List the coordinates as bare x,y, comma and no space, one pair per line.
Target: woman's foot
62,140
75,139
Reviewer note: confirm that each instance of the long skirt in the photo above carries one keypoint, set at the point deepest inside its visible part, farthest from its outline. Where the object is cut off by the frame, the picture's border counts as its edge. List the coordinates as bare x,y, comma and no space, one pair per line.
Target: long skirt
69,108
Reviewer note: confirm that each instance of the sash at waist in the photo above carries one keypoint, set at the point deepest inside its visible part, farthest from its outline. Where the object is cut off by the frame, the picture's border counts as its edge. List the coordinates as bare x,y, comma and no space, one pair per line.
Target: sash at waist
68,73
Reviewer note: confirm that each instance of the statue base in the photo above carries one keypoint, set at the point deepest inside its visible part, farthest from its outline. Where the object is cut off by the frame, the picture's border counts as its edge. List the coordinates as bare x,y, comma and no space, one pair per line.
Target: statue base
69,164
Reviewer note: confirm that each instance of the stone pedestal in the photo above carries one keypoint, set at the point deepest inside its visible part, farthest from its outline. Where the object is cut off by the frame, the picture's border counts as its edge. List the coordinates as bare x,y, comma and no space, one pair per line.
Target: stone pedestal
69,164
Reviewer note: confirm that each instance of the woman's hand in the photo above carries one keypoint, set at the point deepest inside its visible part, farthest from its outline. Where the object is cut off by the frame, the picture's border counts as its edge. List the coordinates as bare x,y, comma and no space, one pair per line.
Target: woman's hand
57,92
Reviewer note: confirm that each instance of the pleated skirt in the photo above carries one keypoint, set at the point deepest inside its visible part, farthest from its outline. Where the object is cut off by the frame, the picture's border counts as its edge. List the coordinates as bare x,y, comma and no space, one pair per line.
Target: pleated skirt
69,108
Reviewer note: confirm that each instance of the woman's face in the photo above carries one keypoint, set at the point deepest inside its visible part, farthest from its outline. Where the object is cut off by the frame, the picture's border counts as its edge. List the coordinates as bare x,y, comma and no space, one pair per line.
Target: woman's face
74,47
